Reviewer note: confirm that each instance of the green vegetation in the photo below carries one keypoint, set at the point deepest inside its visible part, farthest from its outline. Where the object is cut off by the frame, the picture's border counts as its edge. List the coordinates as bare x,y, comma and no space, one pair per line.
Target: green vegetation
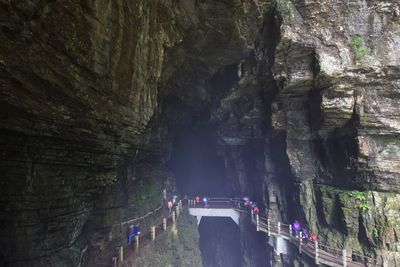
178,246
361,198
286,8
358,46
106,179
375,233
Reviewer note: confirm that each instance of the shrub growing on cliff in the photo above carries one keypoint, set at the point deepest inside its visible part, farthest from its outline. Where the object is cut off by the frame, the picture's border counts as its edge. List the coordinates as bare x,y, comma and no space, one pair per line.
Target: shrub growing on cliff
358,46
286,8
361,198
358,195
375,233
106,179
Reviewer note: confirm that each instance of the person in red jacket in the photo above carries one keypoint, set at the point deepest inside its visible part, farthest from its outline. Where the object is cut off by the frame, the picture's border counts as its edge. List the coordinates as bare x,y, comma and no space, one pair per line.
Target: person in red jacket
197,199
313,238
256,211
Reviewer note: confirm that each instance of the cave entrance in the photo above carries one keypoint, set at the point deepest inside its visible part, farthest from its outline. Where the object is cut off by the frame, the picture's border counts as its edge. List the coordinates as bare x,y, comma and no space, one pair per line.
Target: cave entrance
198,168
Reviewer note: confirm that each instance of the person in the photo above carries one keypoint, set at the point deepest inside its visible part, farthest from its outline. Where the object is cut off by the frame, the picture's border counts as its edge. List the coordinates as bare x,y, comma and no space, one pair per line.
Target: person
136,230
246,201
197,200
313,238
256,210
296,227
170,205
305,236
205,201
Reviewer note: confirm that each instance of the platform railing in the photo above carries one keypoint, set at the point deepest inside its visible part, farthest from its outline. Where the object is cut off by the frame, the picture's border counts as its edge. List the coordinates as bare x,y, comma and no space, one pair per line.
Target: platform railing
320,253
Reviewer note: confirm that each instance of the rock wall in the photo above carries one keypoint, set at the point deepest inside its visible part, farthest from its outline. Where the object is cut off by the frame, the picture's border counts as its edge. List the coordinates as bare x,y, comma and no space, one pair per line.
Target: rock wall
319,102
84,88
335,65
303,95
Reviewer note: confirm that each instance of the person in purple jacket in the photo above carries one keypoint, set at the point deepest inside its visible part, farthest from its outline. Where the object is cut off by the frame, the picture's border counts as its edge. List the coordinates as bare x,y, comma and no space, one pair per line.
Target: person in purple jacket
296,227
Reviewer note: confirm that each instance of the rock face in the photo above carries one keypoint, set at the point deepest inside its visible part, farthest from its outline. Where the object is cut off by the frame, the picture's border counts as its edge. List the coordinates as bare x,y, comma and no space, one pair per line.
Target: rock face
336,66
302,96
79,85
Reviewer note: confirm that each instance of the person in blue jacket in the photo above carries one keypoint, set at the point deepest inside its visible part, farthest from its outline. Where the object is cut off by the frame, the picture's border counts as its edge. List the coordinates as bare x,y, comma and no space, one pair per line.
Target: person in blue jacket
205,201
134,230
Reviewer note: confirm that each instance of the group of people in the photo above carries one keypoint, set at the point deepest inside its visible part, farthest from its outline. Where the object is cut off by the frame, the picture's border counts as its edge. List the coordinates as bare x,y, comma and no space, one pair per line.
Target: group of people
205,201
172,202
252,205
296,228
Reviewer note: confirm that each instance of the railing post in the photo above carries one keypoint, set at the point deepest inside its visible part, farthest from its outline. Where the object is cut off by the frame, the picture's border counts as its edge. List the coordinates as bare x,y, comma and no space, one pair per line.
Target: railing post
385,263
300,241
290,232
153,232
257,223
121,255
137,242
268,227
173,217
316,252
114,261
344,252
279,228
164,224
180,204
177,210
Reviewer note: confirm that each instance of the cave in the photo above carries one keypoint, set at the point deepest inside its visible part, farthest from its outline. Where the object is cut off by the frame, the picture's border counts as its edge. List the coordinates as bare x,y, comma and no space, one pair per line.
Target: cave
115,115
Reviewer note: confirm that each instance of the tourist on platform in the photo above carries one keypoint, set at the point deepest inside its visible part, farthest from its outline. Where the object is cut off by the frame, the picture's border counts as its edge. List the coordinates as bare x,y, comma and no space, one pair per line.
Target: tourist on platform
313,238
205,201
134,230
256,210
296,228
169,204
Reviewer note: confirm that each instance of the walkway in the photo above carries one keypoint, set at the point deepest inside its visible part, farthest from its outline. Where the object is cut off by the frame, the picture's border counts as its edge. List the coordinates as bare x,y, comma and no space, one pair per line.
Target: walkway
220,208
116,258
319,253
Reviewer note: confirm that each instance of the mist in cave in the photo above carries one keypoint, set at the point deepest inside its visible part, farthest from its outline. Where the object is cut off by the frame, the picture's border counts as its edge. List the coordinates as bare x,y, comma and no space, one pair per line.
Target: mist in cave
200,170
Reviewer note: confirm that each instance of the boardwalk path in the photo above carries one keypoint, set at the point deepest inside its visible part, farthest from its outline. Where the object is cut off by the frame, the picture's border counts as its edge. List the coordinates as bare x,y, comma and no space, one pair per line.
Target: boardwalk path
321,254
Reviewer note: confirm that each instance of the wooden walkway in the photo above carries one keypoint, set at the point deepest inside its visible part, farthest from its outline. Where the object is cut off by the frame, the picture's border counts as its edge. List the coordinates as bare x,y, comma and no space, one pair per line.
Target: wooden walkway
320,254
124,253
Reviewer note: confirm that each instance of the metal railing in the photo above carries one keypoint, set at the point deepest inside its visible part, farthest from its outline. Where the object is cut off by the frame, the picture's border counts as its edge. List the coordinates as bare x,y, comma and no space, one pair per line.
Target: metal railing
321,253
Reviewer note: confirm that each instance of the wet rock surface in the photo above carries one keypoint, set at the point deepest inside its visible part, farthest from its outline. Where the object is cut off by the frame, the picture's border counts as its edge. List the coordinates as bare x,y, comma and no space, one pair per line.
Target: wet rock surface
302,97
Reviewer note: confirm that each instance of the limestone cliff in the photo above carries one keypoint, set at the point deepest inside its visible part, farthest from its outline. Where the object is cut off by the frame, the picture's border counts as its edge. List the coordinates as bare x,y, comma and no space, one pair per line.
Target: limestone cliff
302,96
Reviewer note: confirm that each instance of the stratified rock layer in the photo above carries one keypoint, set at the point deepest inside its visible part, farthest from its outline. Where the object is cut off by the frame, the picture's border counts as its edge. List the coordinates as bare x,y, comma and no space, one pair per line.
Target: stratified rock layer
303,94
